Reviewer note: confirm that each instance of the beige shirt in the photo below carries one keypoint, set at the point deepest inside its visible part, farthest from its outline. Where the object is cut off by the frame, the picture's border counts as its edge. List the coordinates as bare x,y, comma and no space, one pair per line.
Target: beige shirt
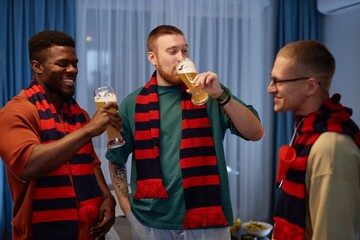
333,189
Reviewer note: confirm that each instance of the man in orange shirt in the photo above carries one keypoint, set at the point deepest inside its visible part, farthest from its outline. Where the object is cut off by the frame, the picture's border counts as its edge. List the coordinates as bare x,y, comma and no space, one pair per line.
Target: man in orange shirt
54,175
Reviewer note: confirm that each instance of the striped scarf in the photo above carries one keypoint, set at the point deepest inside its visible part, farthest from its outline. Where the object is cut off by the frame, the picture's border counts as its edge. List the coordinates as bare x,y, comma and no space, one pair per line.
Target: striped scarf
290,215
201,181
71,192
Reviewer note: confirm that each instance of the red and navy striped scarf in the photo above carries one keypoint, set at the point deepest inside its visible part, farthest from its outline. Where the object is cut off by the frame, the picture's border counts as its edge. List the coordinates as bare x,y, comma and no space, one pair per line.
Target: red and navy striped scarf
70,193
290,215
200,174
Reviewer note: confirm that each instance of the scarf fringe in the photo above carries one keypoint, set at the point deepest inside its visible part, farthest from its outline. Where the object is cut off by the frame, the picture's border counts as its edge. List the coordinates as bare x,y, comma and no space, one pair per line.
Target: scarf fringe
285,230
150,188
89,209
204,217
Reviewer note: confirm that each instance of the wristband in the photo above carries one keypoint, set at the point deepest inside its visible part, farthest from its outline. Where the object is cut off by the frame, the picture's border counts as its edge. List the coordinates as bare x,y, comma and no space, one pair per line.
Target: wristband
226,101
224,95
109,195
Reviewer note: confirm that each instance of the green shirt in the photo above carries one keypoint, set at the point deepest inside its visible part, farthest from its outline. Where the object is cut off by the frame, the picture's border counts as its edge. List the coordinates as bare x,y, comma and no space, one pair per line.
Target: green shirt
168,213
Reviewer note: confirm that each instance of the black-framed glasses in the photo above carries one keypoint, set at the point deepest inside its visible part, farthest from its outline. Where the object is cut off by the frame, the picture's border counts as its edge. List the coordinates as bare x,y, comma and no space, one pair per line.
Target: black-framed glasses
275,81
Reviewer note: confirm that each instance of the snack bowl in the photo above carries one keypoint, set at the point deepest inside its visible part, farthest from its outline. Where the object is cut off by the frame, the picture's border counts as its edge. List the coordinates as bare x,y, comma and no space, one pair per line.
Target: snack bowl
258,229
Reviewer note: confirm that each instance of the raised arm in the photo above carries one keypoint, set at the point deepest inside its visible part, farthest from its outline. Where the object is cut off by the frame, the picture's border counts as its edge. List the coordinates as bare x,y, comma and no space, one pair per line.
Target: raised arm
46,158
243,119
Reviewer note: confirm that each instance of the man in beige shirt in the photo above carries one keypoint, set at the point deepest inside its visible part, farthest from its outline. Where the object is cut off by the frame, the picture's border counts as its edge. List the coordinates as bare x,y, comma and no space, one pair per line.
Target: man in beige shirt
320,196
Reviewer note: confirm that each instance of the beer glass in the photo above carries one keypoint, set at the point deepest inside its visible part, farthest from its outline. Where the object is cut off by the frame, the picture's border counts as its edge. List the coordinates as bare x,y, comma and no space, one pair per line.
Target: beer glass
187,71
102,96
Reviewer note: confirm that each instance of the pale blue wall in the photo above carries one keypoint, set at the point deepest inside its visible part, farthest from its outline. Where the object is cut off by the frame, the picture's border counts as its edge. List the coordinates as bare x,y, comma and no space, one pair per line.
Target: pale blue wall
341,34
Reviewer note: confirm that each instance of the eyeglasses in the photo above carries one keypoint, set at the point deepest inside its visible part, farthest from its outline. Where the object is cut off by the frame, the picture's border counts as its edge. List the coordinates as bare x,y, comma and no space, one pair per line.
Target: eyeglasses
275,81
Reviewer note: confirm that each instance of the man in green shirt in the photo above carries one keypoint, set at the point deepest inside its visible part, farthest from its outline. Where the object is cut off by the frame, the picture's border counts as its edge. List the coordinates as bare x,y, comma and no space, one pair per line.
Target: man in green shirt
179,184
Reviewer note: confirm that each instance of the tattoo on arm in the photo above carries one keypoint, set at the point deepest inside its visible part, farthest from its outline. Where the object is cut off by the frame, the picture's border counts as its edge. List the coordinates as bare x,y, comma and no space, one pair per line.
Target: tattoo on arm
120,179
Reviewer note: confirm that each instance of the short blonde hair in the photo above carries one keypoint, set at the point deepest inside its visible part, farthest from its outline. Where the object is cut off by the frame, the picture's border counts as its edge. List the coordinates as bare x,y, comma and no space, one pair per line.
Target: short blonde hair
160,31
311,57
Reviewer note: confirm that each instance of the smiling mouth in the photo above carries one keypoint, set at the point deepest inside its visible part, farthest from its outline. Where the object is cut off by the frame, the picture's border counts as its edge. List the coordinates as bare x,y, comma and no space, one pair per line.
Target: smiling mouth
70,82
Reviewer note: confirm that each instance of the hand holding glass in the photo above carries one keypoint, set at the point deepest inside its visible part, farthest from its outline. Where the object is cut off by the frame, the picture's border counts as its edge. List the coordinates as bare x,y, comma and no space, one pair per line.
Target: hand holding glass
187,72
102,96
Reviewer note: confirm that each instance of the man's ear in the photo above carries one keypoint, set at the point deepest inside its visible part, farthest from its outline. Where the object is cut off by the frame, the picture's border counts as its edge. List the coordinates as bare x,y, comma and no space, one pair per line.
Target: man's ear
312,85
36,66
152,58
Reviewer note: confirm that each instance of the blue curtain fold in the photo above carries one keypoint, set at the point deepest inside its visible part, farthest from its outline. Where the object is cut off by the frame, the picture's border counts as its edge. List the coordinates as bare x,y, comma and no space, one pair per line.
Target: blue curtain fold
295,20
19,20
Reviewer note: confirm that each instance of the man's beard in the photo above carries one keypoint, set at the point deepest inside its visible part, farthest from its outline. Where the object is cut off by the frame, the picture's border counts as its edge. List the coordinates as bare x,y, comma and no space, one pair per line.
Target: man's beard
171,78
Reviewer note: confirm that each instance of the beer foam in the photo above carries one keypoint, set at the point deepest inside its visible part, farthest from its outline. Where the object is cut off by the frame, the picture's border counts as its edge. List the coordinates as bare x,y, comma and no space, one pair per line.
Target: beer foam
105,97
186,66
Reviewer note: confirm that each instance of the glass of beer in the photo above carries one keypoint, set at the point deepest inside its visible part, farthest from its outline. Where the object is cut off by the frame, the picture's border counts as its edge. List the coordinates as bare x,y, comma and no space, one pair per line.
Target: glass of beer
187,71
102,96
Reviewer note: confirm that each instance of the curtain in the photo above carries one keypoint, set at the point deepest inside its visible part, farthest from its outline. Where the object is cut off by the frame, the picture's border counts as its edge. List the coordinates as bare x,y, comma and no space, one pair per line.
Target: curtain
295,20
229,37
19,20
